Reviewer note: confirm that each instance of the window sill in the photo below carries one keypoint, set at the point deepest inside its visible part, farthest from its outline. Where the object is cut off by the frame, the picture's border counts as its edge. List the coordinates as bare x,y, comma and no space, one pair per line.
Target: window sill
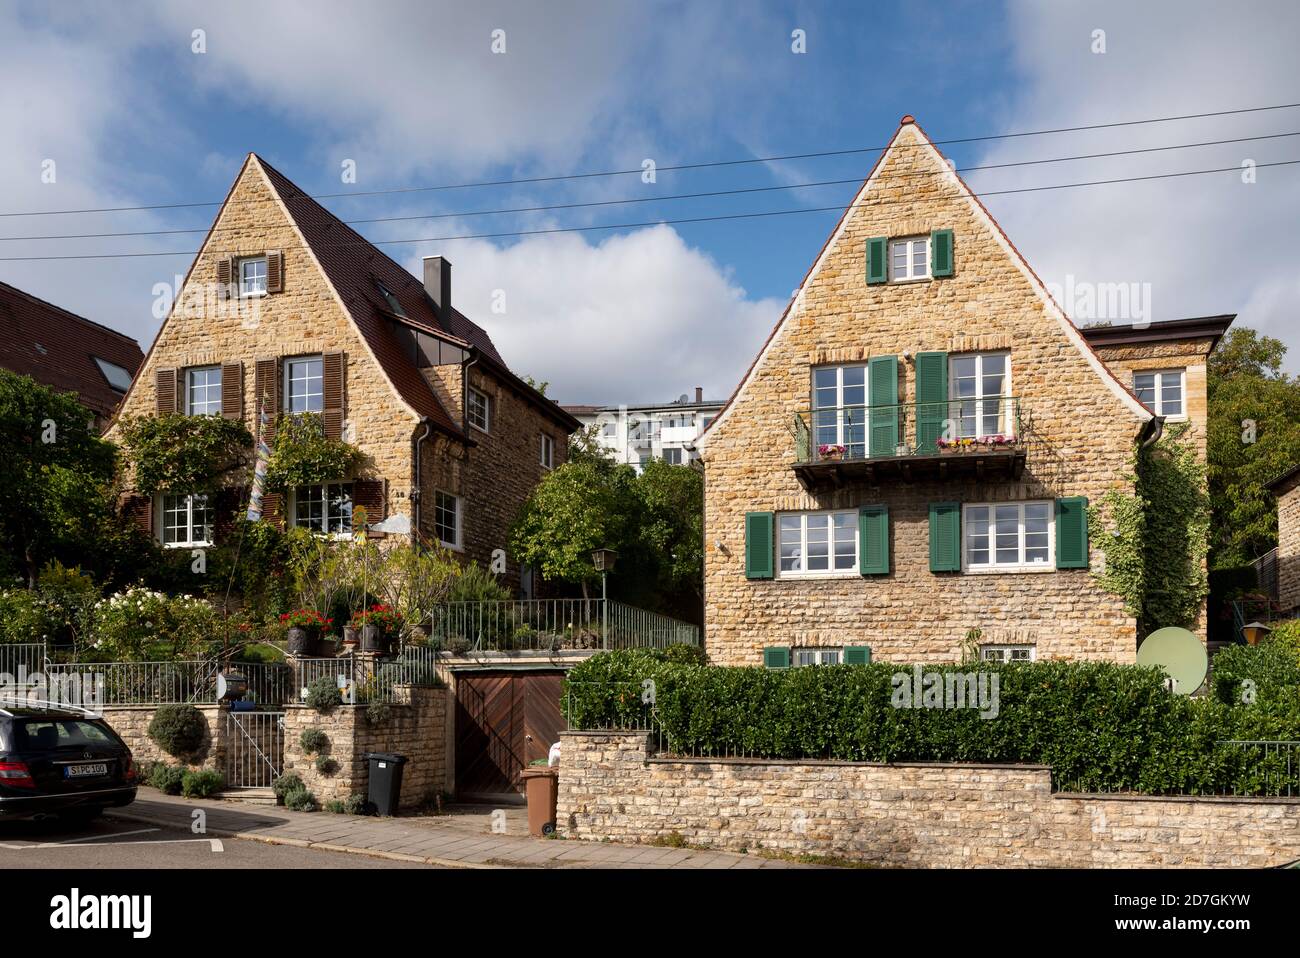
909,279
1009,569
186,545
243,295
816,576
485,430
451,545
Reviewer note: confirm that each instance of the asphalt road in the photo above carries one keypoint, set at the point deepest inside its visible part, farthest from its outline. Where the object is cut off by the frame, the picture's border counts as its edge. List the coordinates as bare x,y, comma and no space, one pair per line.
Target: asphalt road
119,844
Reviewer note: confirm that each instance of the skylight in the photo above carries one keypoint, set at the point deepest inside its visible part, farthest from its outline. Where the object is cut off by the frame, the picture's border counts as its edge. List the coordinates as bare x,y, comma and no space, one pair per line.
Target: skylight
117,377
393,304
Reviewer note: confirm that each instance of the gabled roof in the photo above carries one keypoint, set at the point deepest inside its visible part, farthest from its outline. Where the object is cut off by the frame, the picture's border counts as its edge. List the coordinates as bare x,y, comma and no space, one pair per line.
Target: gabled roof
963,191
353,265
59,348
1171,330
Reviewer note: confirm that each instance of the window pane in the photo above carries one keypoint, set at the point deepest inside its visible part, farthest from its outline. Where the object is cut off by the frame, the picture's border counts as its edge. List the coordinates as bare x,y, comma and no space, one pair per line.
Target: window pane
791,544
1144,386
977,535
1007,534
846,540
304,385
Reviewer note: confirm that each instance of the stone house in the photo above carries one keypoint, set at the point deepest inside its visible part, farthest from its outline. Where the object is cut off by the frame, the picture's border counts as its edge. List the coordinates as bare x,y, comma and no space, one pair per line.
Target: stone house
286,310
1286,488
906,468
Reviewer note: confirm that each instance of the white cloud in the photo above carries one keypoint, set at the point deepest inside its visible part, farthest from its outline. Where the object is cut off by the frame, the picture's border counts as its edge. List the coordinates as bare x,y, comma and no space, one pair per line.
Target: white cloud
1205,244
632,318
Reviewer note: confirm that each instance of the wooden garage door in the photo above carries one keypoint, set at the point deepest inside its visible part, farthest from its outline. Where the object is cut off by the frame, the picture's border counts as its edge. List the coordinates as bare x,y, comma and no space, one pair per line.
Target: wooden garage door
504,720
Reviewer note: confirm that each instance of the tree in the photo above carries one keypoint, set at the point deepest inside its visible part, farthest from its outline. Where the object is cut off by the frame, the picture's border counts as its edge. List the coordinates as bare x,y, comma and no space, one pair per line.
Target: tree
672,530
1253,437
58,476
578,508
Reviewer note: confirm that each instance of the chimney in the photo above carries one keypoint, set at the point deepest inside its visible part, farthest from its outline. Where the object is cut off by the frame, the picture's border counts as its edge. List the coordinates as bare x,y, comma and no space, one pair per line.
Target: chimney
699,394
437,283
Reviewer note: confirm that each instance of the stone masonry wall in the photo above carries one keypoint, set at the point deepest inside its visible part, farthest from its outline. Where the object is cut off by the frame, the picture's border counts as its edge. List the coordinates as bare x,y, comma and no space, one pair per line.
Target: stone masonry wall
132,723
416,730
1288,544
495,477
304,319
905,815
1081,434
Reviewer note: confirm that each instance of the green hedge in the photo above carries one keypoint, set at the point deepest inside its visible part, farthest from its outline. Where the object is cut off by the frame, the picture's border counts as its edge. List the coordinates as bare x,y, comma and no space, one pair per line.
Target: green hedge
1099,726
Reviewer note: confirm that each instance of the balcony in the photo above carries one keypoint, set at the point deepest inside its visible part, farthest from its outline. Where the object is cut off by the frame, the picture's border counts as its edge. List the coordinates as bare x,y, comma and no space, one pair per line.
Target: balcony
980,438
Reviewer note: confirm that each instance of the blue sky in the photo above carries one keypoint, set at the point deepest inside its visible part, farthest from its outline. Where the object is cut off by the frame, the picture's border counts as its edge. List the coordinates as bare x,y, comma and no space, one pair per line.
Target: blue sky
414,94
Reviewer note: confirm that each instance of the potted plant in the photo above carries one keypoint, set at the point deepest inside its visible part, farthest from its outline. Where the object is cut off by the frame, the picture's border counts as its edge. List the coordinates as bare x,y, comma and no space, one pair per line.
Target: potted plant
379,625
351,637
831,451
305,627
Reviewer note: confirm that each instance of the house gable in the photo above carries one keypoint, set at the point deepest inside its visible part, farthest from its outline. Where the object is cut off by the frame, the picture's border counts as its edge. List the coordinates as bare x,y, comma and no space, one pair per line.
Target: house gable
910,191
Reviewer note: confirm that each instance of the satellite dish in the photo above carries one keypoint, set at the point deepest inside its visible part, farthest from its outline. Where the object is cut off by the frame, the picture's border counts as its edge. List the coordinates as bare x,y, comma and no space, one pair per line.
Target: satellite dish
1181,655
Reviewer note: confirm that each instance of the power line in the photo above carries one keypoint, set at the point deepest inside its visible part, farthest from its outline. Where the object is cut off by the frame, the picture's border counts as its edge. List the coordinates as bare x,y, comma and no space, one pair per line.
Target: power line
680,166
670,196
695,219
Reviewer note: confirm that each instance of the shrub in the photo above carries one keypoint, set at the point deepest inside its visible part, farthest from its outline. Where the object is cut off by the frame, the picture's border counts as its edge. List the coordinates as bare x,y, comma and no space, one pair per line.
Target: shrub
378,713
179,730
138,624
477,584
323,694
313,740
334,806
326,765
201,783
285,784
166,778
1273,664
1100,726
301,801
355,805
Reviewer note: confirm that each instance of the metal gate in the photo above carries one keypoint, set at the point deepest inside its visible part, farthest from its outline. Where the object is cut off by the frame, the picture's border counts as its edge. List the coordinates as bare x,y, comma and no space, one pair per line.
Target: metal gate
254,748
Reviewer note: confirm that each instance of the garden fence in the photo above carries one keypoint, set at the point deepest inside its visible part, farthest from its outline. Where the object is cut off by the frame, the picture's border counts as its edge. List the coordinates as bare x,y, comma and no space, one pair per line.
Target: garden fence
554,625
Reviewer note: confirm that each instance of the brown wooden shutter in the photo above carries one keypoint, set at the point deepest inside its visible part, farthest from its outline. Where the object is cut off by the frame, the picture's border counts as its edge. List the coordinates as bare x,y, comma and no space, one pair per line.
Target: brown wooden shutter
227,502
274,271
140,510
225,277
273,509
333,370
266,383
232,390
167,389
369,494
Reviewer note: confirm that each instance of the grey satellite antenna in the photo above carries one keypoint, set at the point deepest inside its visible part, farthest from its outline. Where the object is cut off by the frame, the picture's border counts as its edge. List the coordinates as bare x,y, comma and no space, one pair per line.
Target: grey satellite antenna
1180,654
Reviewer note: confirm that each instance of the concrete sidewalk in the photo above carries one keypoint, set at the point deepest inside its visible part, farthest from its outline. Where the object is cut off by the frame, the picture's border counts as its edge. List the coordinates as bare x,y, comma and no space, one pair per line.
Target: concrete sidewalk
464,839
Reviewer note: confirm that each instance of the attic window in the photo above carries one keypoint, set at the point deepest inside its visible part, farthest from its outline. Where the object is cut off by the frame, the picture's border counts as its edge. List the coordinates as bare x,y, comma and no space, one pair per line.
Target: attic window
393,304
118,378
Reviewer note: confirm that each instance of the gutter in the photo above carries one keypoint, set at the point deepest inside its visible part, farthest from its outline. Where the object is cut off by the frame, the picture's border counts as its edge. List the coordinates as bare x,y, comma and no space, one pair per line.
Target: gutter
416,443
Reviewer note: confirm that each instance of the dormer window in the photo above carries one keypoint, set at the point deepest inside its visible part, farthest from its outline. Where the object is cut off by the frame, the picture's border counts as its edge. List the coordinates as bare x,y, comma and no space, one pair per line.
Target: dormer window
252,276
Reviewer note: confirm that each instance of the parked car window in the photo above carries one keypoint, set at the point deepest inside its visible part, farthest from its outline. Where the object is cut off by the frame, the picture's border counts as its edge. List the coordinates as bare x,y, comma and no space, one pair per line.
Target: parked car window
60,733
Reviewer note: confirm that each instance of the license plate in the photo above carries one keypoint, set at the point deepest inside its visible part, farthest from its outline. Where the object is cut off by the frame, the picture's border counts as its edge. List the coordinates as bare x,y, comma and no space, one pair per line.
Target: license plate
86,771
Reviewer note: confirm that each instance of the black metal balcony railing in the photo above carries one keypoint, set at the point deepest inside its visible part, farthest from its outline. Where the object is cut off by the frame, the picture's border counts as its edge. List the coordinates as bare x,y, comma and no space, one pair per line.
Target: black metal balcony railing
980,425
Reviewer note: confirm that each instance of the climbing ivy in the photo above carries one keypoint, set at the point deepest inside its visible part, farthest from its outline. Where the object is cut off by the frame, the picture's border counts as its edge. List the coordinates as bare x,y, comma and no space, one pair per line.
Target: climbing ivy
1155,540
184,453
302,455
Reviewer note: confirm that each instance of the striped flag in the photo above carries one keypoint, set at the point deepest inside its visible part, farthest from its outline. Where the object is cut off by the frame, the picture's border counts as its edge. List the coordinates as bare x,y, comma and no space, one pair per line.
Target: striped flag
259,469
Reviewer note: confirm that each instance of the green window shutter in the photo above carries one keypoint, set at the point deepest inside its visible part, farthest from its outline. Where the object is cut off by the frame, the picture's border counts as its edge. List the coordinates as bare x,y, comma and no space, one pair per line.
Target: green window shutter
857,655
1072,533
945,537
776,657
878,260
931,400
941,253
758,545
882,373
873,540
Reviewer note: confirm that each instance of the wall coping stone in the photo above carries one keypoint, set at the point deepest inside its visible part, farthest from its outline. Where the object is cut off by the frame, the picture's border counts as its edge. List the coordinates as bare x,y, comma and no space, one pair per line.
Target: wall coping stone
1217,799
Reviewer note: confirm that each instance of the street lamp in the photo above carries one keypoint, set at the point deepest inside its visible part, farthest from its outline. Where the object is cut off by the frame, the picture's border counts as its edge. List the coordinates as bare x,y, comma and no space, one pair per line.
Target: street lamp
1254,631
603,560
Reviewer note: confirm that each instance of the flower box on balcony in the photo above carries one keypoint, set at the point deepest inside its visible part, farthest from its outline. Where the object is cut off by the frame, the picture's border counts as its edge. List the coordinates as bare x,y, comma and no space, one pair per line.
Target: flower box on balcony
830,452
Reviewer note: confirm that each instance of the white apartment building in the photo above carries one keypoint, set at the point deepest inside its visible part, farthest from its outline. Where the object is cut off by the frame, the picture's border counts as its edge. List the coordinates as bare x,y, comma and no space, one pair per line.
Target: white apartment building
636,434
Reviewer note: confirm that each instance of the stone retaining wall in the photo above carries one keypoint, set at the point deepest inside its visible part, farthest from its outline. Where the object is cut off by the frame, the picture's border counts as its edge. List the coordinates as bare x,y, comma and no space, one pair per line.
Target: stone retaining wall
921,815
132,723
416,729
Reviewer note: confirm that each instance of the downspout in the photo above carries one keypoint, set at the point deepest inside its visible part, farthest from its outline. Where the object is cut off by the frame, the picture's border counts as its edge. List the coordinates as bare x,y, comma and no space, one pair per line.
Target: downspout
417,443
1151,432
464,389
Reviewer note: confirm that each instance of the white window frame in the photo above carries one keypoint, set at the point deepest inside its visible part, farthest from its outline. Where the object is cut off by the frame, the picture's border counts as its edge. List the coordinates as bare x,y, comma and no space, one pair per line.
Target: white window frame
547,452
189,542
1159,387
676,451
830,572
207,388
485,421
244,290
816,656
1002,407
1008,653
288,379
839,407
911,272
1020,565
345,533
458,511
